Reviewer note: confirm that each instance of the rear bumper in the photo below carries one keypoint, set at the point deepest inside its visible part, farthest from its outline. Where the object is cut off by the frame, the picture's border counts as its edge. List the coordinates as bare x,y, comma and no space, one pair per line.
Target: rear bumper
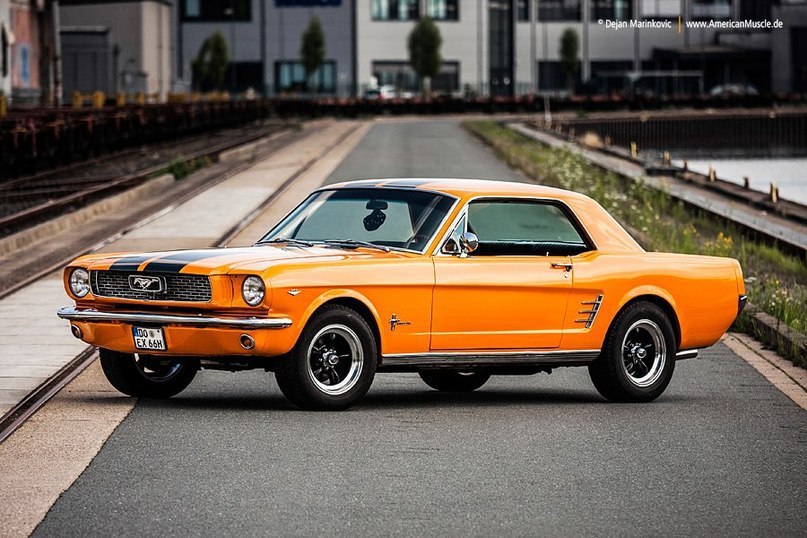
742,300
95,316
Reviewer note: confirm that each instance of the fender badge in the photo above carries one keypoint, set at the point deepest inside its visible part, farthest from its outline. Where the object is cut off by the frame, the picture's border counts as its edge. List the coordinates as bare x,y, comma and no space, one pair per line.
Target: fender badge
293,293
394,322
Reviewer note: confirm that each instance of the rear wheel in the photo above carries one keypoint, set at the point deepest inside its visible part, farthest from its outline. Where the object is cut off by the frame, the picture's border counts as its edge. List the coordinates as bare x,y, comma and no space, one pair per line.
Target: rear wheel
147,376
333,364
450,381
638,358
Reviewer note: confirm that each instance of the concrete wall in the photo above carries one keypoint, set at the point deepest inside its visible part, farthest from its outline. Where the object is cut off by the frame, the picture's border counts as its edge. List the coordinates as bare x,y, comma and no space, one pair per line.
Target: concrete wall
243,39
285,27
274,34
464,41
24,54
142,31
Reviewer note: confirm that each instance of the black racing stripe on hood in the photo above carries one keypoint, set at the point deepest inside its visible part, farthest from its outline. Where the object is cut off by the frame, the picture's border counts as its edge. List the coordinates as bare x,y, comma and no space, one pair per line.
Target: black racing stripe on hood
174,263
129,263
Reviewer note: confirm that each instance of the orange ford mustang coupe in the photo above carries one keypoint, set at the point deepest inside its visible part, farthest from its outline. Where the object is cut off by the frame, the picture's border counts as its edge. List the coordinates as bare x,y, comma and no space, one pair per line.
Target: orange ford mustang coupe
456,280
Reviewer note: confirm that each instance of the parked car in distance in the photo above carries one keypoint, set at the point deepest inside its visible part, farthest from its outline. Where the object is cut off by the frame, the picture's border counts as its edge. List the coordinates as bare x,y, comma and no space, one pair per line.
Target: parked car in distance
382,92
731,90
457,280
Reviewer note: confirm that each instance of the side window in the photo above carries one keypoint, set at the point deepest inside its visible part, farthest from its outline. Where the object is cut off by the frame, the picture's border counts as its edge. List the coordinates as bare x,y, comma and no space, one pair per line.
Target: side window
520,227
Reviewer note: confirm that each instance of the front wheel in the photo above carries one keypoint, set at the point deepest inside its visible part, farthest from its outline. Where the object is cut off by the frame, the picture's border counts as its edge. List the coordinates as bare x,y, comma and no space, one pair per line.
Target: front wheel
638,358
147,376
450,381
333,364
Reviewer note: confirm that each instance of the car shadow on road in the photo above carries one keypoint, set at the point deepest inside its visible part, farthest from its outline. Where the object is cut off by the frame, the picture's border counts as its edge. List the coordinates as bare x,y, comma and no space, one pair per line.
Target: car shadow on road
417,399
424,399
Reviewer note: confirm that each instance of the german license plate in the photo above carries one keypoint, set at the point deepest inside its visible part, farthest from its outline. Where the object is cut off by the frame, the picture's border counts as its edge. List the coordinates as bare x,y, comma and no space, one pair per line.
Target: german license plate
149,339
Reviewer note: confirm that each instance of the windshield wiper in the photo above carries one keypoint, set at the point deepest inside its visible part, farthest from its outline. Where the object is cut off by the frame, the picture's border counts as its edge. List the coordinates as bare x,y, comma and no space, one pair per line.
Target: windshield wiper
353,243
286,240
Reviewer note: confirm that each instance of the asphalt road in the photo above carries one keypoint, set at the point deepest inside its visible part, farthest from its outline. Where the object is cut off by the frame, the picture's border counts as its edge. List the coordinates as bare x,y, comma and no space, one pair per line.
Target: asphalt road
722,452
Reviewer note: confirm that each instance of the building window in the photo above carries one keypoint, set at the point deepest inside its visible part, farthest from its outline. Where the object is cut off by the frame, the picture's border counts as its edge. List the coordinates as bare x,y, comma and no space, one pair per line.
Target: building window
558,10
611,10
711,9
523,10
216,10
551,77
659,9
394,10
401,76
290,78
443,10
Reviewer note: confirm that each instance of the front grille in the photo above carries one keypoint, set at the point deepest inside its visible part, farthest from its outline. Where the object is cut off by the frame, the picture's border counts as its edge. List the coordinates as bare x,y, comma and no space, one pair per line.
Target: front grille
178,287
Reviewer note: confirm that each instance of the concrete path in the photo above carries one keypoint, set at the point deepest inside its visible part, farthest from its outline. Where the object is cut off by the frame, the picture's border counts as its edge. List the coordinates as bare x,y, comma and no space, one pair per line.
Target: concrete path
773,225
34,343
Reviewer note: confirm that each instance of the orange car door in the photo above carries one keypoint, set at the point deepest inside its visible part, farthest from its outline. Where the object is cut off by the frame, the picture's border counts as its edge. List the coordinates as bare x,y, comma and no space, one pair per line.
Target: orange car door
512,292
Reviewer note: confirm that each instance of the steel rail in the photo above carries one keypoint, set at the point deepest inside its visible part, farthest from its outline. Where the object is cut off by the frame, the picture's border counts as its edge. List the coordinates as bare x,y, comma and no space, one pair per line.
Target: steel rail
123,182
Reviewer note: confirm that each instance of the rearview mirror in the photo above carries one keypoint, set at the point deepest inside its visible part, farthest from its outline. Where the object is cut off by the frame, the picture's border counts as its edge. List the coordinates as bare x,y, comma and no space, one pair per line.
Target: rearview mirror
377,205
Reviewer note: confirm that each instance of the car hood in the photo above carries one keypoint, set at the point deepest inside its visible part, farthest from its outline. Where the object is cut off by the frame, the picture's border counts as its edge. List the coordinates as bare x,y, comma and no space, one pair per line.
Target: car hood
217,261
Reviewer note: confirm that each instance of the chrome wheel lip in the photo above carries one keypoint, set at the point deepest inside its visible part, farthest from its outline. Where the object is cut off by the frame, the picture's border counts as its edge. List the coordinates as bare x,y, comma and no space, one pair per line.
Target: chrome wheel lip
356,358
173,370
630,352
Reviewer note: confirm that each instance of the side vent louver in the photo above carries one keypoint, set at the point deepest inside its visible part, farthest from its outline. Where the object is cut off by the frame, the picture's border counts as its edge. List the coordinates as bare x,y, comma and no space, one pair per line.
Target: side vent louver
590,308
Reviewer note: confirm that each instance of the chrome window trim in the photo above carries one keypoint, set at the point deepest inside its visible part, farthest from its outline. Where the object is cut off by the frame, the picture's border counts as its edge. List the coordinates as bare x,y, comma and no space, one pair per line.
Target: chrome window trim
464,211
429,244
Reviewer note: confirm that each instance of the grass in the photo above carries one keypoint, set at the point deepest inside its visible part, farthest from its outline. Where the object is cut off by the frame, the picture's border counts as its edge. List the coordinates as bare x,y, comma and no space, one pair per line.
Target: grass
181,168
776,282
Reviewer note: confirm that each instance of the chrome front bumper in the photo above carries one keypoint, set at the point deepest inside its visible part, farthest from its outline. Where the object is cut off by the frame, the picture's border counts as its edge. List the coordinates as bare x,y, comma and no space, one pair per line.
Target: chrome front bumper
90,315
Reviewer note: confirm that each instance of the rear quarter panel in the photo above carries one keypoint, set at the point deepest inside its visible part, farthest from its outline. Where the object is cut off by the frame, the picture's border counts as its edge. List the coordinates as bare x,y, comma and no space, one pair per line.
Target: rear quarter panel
702,290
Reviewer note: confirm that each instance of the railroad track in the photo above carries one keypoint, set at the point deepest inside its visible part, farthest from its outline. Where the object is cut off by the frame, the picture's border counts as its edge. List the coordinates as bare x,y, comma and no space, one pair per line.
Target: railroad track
17,416
29,200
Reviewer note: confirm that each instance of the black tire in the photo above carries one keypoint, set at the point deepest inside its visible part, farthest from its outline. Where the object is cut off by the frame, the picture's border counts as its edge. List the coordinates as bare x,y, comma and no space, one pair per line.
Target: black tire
147,376
309,379
451,381
638,357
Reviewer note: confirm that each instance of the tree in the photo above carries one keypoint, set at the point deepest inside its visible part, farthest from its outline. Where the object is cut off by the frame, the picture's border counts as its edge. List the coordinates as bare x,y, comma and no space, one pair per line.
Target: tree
210,65
312,49
424,51
569,59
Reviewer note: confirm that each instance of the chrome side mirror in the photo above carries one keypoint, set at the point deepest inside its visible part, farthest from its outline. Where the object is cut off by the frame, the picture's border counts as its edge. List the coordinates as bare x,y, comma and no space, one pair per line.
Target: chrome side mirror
469,242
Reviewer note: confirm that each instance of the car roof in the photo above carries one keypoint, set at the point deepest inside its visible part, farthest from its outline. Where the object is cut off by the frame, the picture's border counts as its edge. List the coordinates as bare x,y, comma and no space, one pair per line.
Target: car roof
461,188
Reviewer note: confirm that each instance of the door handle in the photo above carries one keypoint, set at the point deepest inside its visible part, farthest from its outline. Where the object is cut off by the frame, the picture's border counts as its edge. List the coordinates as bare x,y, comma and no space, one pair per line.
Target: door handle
565,266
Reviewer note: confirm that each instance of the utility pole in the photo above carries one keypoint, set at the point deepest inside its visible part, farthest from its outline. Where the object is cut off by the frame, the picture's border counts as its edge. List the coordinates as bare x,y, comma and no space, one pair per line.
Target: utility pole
231,12
533,7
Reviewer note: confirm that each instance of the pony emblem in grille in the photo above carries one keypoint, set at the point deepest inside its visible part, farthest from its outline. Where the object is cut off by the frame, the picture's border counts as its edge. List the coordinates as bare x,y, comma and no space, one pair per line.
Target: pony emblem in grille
151,284
151,287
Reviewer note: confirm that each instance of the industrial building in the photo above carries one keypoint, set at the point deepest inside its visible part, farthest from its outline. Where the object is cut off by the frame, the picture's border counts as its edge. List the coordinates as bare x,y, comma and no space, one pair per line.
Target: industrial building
503,47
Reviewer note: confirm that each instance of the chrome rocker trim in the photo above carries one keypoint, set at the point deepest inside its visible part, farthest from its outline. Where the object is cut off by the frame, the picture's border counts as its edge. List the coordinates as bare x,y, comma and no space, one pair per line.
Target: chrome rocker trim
476,358
688,354
90,315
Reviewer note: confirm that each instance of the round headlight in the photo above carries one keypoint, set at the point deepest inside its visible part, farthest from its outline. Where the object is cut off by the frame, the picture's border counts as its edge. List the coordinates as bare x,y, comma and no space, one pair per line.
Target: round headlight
80,282
253,290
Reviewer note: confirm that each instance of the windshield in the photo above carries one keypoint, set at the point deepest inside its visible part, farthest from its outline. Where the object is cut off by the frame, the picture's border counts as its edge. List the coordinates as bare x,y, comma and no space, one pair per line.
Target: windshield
405,219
